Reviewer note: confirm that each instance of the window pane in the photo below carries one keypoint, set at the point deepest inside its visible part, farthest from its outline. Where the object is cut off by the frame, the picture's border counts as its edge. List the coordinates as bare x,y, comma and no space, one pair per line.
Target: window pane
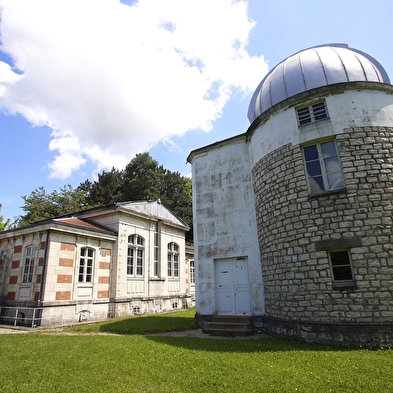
130,261
89,272
313,168
81,271
311,153
335,181
339,258
342,273
328,149
332,165
316,184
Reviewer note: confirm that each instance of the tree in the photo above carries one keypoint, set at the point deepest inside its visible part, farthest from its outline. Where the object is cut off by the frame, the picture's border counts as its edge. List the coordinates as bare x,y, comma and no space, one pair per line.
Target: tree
176,192
4,225
142,177
39,205
107,189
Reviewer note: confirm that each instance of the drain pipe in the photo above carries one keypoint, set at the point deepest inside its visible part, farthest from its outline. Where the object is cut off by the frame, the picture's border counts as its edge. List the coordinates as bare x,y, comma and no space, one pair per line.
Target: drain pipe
43,277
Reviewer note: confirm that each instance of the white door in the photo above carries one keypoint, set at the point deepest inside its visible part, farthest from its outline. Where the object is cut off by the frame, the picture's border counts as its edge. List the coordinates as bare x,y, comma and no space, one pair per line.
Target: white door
232,287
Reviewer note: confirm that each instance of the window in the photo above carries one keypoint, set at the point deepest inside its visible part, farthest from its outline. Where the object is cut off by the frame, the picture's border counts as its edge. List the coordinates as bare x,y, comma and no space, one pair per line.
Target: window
86,265
341,265
29,264
323,167
173,260
312,113
192,272
156,251
135,255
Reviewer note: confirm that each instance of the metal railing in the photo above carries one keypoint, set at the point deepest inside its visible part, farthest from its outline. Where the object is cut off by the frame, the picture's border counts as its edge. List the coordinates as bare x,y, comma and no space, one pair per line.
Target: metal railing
20,316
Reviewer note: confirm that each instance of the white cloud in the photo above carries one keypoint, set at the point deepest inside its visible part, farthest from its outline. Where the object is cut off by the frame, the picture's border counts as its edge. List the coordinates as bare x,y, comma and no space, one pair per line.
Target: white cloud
113,80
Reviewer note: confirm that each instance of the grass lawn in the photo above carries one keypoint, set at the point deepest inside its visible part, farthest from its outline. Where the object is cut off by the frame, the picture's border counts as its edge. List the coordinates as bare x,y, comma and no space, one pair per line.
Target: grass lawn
128,362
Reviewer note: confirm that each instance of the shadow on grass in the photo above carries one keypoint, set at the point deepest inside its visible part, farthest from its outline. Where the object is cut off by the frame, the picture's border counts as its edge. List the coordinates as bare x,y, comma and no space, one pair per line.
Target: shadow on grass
270,344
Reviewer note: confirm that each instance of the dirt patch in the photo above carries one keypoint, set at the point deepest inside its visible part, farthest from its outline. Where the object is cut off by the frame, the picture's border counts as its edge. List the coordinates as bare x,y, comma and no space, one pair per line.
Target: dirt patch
195,333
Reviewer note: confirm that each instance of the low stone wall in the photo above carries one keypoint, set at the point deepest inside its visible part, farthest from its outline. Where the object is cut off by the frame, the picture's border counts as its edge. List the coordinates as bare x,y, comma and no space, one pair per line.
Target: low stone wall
353,335
358,335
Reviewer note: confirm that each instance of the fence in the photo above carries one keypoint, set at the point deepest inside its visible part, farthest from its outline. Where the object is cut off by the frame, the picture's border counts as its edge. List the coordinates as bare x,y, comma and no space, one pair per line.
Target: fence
20,316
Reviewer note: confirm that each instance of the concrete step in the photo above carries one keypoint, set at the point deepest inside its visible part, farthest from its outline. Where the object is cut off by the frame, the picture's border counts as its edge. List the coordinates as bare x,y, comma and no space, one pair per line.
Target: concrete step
228,325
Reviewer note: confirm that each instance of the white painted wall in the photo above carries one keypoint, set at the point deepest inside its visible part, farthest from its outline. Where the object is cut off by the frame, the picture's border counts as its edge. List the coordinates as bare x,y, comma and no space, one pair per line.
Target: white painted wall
224,220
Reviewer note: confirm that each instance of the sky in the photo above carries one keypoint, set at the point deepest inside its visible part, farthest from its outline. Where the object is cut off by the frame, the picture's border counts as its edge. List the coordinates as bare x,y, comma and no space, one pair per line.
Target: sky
87,84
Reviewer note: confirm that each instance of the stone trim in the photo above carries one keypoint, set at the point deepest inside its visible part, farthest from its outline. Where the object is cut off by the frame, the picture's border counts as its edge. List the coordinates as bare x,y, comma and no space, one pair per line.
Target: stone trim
332,244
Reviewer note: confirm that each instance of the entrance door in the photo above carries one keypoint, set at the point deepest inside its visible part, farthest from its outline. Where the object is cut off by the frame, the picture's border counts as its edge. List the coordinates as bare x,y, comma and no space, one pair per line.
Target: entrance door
233,287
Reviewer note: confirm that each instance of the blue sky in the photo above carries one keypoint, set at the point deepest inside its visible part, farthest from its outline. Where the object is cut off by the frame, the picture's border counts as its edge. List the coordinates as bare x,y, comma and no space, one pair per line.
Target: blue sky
87,84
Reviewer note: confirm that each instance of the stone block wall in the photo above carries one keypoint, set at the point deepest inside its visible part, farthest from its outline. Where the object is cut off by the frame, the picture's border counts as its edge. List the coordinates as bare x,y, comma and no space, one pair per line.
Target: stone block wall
296,230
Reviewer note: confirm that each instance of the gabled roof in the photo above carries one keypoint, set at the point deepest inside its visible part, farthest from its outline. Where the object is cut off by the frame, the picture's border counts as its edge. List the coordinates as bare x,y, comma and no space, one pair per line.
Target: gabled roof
155,210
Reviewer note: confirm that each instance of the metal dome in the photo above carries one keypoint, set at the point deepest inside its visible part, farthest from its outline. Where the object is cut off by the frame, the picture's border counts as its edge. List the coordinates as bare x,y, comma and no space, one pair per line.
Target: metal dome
311,68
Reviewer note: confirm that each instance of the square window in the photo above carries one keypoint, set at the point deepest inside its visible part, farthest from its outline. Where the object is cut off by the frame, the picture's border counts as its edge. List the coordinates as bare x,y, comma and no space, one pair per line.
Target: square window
312,113
323,167
341,266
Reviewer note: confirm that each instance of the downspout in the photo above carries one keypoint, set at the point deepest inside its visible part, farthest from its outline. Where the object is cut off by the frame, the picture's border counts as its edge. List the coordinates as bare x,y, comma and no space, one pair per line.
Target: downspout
43,277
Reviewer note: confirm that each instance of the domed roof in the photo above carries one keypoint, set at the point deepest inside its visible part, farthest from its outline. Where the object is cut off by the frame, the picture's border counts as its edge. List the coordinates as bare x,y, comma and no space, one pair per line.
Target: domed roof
311,68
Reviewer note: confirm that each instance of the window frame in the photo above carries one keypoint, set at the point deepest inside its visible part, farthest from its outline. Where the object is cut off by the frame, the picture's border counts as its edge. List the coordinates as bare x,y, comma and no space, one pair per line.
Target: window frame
28,265
156,252
86,265
324,174
312,113
173,260
135,261
192,271
348,266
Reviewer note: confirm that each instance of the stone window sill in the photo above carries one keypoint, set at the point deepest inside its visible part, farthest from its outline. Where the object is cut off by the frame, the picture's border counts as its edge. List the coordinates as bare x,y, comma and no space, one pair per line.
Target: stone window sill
326,193
344,284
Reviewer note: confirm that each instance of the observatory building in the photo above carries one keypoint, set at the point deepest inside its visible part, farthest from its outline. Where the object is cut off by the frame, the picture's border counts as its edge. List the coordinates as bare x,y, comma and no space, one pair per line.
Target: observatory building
293,218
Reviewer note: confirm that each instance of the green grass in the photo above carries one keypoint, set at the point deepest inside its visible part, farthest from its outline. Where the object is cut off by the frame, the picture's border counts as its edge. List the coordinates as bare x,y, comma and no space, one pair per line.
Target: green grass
42,362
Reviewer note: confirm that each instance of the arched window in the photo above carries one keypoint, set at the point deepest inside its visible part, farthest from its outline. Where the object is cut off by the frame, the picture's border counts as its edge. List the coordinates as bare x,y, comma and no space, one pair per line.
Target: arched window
29,264
86,260
135,255
173,260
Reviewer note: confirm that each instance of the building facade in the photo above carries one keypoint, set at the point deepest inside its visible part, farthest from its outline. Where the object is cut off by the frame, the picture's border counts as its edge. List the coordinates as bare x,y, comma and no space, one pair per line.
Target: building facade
303,200
111,261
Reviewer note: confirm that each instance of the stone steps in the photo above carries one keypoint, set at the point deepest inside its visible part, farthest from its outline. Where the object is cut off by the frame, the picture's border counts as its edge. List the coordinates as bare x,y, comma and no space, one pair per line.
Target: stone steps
230,325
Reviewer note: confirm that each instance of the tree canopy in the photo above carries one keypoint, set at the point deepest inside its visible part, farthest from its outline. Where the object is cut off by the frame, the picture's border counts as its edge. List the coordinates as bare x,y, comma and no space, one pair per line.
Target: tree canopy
5,224
142,179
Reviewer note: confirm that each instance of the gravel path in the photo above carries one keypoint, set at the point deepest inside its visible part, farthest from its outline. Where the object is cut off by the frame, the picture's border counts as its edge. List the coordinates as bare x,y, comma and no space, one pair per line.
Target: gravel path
196,333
